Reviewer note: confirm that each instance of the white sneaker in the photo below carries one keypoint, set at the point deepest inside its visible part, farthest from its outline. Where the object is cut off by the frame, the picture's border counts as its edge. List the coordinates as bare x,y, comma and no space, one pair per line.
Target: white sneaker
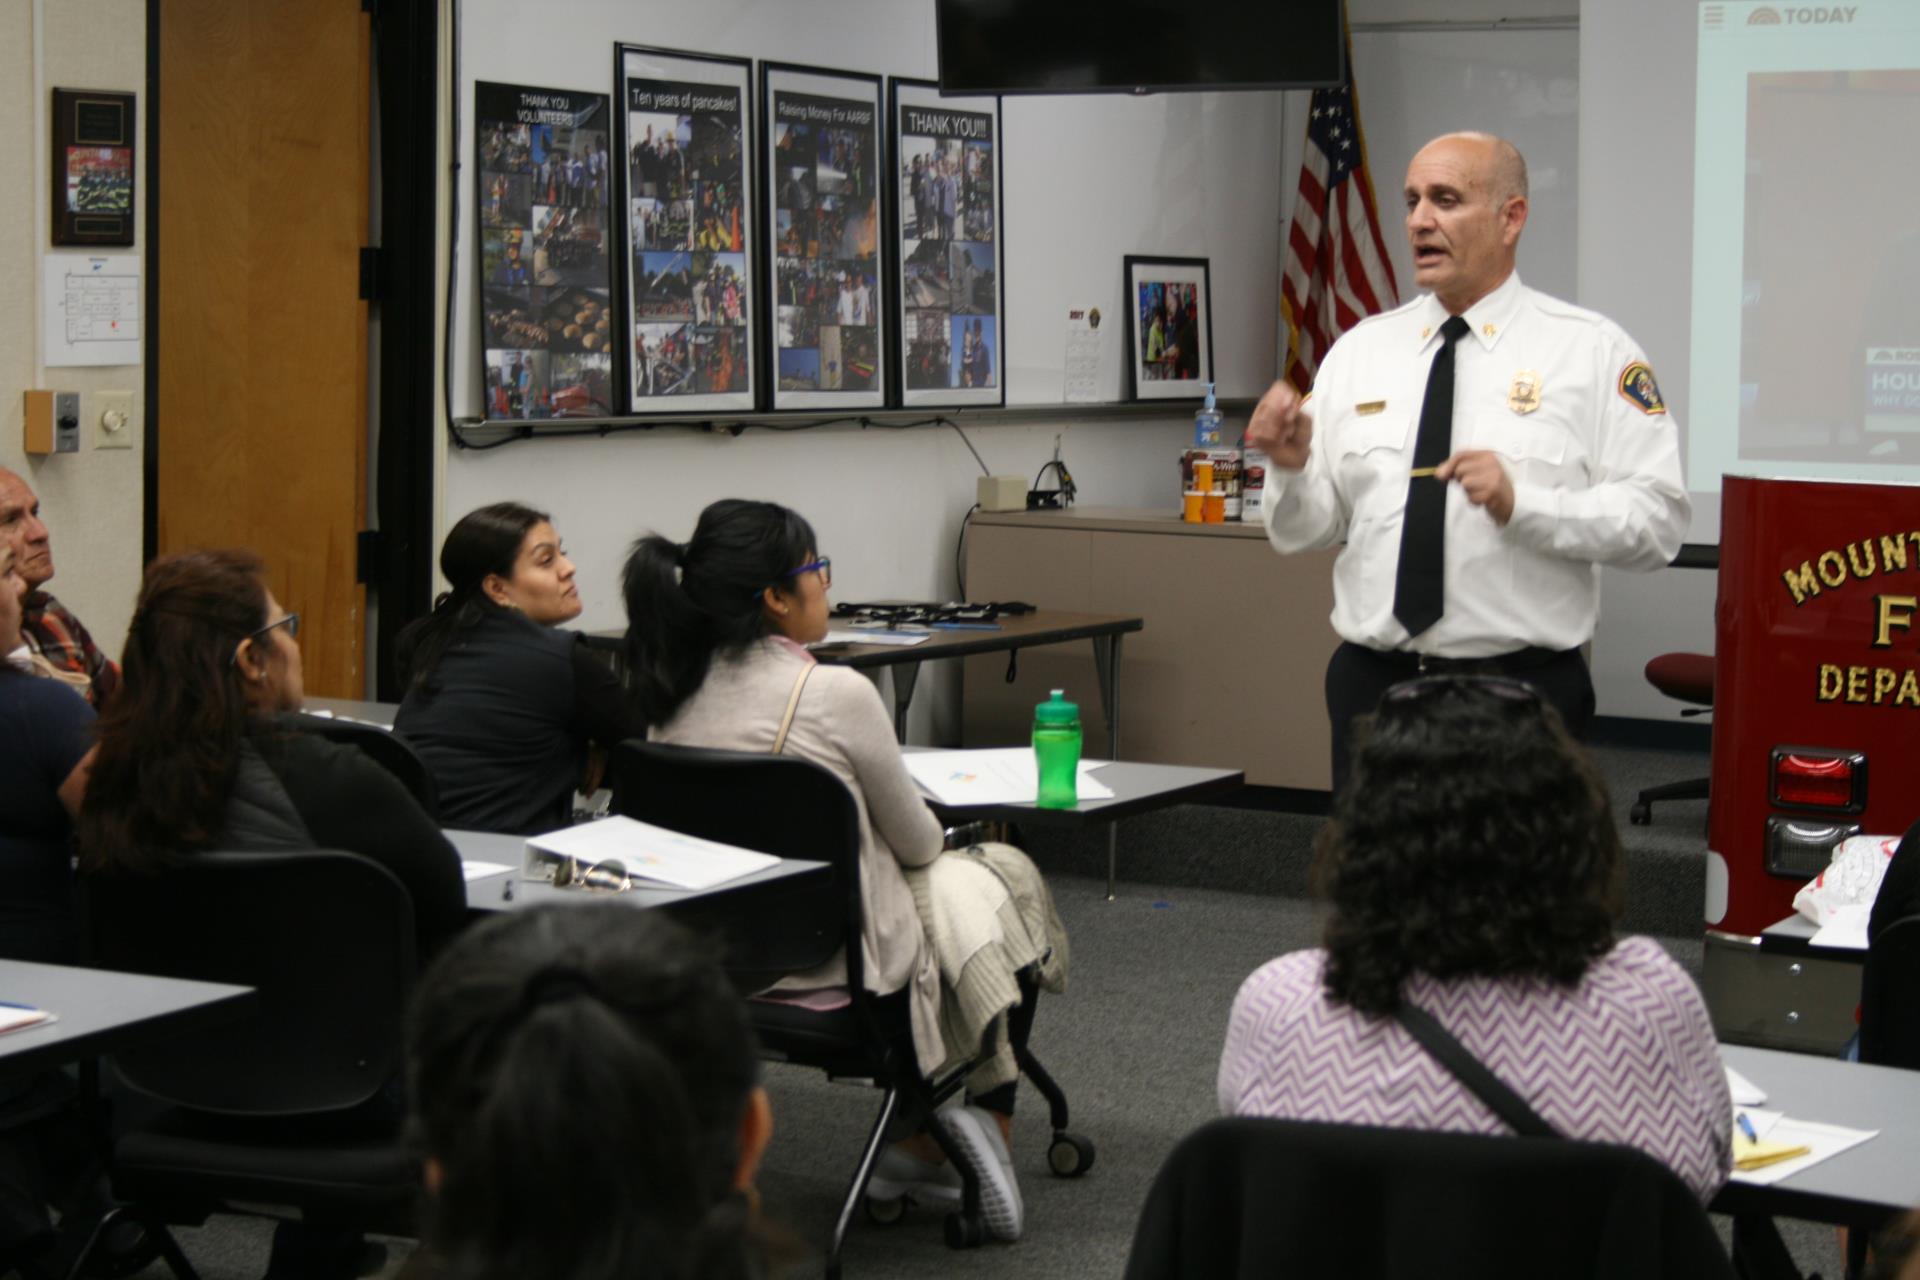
978,1134
898,1173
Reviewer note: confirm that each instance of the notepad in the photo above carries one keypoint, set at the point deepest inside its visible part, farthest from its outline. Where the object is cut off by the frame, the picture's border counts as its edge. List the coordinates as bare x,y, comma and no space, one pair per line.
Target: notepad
1787,1146
1745,1092
644,852
996,775
840,636
19,1017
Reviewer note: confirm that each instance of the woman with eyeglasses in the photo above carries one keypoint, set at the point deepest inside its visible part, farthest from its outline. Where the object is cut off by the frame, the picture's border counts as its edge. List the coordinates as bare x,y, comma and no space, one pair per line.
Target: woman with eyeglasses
717,630
197,753
1473,870
502,703
194,753
587,1096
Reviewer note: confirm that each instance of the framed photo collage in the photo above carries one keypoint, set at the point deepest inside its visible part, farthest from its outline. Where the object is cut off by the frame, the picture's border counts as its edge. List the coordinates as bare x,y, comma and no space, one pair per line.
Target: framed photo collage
718,237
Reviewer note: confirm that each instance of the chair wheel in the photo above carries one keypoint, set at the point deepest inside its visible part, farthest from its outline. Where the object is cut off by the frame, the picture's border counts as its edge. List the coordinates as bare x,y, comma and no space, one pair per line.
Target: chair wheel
1070,1155
1641,814
964,1232
886,1212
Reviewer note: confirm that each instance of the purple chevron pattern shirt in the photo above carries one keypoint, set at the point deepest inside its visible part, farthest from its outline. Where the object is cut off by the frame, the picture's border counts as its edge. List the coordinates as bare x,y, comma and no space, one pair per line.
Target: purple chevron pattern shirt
1626,1056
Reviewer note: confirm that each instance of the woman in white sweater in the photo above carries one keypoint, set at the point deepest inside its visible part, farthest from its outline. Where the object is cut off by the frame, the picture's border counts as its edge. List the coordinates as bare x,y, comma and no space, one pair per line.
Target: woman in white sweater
717,629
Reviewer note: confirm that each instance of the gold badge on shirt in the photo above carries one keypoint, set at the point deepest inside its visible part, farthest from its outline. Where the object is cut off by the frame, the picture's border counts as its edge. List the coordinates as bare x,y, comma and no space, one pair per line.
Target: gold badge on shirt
1524,395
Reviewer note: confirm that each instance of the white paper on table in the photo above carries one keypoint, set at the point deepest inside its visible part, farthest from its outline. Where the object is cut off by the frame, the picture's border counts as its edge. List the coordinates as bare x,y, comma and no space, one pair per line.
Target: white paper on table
838,636
647,852
90,309
325,714
1745,1092
996,775
471,871
15,1018
1763,1121
1826,1141
1845,927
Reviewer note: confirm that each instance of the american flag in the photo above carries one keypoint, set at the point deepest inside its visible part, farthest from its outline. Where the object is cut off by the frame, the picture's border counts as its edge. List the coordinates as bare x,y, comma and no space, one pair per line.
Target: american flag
1337,272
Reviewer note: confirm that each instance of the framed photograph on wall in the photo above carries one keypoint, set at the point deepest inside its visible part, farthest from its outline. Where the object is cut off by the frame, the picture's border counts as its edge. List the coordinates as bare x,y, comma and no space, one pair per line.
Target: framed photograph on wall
1169,328
92,167
543,169
946,293
691,260
822,160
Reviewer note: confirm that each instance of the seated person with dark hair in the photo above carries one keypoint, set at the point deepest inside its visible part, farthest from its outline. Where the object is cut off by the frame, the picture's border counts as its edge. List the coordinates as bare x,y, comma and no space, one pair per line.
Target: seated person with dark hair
1899,895
502,704
49,629
1473,870
588,1098
192,756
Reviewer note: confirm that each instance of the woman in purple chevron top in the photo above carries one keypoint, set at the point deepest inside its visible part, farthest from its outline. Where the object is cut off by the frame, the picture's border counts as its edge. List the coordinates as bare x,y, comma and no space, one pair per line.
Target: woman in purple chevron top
1473,868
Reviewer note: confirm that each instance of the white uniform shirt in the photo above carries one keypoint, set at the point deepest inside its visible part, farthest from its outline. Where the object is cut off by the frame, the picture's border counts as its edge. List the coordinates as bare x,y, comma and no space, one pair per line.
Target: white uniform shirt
1595,466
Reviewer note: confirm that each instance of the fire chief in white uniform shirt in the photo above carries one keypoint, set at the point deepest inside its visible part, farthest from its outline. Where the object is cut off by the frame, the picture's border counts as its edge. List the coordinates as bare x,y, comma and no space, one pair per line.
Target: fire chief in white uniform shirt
1563,456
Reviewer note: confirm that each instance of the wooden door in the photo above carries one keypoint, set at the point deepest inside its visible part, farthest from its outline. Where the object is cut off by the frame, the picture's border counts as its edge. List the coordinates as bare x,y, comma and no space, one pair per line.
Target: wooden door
261,345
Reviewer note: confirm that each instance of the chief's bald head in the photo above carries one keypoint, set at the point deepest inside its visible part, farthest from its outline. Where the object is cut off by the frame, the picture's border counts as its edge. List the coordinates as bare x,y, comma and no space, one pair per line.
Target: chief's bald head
1466,198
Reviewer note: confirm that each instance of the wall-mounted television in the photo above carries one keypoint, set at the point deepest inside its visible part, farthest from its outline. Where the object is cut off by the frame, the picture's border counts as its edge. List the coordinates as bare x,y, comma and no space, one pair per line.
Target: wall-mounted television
1138,46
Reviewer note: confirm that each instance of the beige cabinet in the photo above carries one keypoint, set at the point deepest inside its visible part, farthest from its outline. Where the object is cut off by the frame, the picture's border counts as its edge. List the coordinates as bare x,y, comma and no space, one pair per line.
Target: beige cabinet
1229,670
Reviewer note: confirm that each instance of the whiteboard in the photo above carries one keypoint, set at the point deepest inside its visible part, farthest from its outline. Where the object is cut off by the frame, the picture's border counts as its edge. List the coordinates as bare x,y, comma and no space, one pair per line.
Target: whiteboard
1087,180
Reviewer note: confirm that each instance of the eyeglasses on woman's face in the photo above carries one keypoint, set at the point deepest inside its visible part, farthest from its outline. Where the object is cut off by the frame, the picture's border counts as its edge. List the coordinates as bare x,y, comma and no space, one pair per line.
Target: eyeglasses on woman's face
824,565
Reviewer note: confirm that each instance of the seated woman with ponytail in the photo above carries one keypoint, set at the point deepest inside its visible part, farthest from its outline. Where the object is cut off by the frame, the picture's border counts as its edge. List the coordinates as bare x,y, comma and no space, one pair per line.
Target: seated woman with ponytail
192,756
585,1088
716,630
502,704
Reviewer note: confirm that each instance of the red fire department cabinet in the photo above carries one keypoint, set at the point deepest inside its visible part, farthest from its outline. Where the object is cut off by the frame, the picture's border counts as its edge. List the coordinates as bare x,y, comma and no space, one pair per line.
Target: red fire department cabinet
1816,735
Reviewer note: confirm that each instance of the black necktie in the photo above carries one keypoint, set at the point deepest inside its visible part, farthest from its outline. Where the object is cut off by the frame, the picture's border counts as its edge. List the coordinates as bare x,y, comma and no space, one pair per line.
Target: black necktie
1420,583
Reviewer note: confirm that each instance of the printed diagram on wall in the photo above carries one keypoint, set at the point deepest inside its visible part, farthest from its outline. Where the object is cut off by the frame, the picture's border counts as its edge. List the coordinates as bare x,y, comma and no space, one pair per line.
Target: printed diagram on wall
823,170
945,160
688,144
545,179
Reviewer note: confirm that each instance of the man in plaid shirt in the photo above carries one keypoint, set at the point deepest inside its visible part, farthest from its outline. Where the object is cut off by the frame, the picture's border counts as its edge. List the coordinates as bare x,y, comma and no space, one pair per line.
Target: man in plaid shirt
47,626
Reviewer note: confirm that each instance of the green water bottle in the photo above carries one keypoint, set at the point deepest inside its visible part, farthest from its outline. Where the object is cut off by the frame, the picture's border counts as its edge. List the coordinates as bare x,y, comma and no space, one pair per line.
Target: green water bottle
1056,751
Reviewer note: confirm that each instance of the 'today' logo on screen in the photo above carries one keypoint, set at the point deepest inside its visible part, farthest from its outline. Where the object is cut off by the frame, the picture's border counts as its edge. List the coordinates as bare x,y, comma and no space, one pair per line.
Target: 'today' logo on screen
1815,16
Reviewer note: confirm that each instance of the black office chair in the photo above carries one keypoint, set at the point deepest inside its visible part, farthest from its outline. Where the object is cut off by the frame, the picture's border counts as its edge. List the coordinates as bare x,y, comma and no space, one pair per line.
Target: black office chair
384,747
796,809
285,1114
1890,997
1306,1201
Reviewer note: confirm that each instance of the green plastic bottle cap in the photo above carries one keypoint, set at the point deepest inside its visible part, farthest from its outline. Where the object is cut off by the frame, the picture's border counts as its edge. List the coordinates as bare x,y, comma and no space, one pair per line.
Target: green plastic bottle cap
1057,710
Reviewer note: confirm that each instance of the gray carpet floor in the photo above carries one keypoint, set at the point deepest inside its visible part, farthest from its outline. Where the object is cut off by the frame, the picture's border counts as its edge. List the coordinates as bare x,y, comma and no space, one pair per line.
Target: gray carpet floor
1209,895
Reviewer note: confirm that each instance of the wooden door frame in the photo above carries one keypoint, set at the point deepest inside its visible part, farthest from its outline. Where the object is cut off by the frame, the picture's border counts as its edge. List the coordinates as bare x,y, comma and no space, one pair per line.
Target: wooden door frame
396,563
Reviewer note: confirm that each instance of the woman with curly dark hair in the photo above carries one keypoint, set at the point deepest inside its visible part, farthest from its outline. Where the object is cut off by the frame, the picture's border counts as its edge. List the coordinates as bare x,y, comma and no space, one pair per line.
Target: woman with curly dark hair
1473,870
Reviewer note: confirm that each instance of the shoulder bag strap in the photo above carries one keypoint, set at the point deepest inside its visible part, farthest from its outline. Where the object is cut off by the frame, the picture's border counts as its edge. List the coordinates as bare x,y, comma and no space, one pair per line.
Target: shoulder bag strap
1472,1072
793,702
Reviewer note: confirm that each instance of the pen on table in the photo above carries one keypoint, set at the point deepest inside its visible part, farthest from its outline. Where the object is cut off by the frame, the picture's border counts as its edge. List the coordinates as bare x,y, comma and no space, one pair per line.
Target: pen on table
965,626
1746,1126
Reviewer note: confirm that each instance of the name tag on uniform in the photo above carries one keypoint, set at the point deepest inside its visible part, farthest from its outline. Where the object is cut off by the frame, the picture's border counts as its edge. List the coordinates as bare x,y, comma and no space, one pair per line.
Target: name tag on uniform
1368,408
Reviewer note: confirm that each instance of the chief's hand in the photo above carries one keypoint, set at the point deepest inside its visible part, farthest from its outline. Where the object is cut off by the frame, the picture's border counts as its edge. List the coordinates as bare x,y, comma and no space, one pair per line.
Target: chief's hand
1281,428
1485,481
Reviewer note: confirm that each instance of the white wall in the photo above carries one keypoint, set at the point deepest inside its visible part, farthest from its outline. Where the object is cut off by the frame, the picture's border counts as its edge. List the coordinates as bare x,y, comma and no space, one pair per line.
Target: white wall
1086,180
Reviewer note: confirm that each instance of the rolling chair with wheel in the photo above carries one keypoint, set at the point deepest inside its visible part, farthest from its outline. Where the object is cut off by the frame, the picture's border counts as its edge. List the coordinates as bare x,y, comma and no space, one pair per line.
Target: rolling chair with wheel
1684,677
796,809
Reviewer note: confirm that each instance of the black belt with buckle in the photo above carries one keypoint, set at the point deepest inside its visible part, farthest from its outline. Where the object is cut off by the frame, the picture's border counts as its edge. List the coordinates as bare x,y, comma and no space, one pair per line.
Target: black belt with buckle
1494,663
